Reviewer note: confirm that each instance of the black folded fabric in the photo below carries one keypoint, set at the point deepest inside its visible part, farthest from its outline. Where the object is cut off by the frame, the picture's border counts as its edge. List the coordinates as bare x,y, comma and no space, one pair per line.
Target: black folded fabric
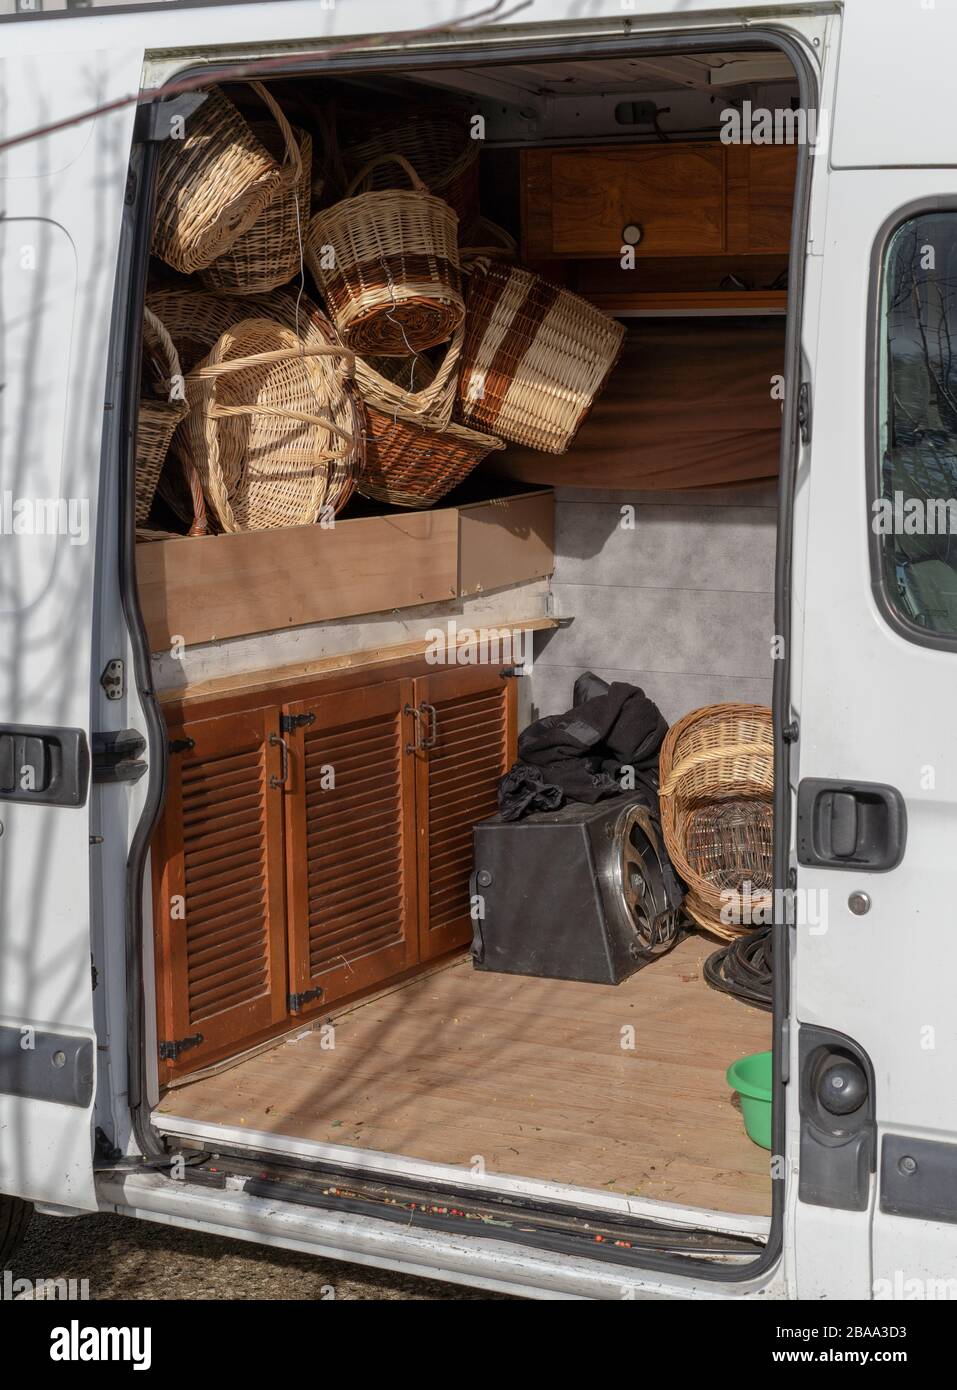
585,753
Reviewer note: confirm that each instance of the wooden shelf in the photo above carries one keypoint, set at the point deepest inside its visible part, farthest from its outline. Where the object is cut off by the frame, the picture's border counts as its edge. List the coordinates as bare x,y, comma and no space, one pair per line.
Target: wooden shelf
692,302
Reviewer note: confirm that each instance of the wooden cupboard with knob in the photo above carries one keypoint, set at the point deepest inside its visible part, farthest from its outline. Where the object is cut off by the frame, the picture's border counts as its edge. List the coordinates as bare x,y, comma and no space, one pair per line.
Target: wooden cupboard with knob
317,845
672,199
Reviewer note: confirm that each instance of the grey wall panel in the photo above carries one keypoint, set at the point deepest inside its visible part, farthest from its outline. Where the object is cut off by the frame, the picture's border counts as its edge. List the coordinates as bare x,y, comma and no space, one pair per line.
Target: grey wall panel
682,604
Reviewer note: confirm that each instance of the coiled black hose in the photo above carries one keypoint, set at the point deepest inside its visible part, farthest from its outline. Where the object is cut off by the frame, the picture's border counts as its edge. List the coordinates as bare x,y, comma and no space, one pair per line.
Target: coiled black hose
743,968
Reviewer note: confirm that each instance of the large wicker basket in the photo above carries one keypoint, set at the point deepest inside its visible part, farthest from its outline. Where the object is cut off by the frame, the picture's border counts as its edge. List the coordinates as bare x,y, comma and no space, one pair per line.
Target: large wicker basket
212,185
535,357
439,146
160,410
717,783
269,253
274,436
387,264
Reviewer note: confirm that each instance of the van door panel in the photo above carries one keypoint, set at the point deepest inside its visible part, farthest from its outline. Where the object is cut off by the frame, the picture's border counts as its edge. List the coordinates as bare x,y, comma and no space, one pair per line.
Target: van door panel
873,708
62,199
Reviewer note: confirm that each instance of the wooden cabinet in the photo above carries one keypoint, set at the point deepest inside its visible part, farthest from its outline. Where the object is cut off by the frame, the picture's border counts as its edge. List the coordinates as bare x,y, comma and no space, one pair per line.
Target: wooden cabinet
578,202
218,888
688,199
314,848
468,741
350,831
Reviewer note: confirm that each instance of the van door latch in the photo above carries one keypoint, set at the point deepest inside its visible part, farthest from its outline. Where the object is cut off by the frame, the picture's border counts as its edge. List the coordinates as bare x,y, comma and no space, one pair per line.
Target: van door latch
46,765
116,756
170,1051
804,411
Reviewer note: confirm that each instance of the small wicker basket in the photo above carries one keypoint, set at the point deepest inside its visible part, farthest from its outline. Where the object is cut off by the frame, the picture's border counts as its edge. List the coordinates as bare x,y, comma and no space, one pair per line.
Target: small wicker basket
535,357
159,411
273,433
717,782
269,253
212,185
437,144
387,264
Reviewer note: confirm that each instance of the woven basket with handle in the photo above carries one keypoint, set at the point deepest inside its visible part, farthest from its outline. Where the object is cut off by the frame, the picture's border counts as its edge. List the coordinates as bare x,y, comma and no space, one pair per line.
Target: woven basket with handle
269,253
274,436
159,410
212,185
535,357
387,264
415,453
716,788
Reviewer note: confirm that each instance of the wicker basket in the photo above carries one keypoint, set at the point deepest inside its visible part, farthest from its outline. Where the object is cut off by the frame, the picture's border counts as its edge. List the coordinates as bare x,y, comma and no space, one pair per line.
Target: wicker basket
535,357
197,319
411,464
387,264
715,763
212,185
415,453
273,433
437,144
270,252
159,413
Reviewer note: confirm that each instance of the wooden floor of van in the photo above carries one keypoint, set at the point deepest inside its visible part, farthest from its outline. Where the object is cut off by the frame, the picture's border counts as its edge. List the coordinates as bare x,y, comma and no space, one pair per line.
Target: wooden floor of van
530,1074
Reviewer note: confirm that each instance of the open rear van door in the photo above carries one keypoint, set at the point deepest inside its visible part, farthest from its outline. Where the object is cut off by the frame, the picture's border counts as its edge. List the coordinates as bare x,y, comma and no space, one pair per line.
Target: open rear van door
61,205
873,1101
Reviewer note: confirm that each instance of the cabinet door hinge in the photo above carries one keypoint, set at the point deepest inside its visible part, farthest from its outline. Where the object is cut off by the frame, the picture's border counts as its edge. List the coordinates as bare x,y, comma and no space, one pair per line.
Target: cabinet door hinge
289,723
295,1002
169,1051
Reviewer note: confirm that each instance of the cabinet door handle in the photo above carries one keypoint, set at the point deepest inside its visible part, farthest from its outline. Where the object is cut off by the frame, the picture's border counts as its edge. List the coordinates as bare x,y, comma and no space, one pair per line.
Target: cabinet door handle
417,743
432,737
283,778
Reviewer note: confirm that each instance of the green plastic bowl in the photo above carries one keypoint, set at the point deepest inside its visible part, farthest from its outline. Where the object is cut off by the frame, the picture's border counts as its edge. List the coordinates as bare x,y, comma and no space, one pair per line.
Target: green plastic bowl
751,1078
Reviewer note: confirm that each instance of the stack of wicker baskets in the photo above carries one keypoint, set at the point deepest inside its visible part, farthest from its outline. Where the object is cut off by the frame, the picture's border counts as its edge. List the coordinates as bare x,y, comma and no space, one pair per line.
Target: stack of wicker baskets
291,407
717,783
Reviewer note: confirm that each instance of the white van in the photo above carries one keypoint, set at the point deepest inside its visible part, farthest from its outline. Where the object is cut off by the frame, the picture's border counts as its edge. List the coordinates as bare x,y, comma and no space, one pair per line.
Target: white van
352,1085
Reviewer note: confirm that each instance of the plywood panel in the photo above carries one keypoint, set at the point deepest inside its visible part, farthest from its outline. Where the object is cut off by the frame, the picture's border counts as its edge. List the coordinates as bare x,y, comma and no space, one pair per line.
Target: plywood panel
206,588
506,541
529,1074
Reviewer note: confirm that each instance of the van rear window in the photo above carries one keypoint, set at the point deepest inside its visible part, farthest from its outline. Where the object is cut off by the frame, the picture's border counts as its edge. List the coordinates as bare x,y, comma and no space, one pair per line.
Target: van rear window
915,510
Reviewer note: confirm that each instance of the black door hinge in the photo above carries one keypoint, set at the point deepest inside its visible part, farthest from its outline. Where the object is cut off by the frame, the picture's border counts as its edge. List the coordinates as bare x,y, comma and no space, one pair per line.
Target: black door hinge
289,723
791,732
154,119
116,756
181,745
804,412
169,1051
295,1002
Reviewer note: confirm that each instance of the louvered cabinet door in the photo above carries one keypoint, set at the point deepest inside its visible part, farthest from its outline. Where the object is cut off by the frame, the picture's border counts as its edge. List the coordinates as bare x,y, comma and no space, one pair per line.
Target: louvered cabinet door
350,833
468,737
219,889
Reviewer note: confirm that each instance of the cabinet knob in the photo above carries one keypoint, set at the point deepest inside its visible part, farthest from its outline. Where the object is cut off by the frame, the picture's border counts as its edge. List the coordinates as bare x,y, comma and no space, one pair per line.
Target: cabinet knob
631,233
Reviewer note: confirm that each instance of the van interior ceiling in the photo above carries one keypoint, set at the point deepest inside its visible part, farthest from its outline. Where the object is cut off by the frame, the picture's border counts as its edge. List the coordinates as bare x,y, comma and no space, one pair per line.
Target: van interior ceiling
413,497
